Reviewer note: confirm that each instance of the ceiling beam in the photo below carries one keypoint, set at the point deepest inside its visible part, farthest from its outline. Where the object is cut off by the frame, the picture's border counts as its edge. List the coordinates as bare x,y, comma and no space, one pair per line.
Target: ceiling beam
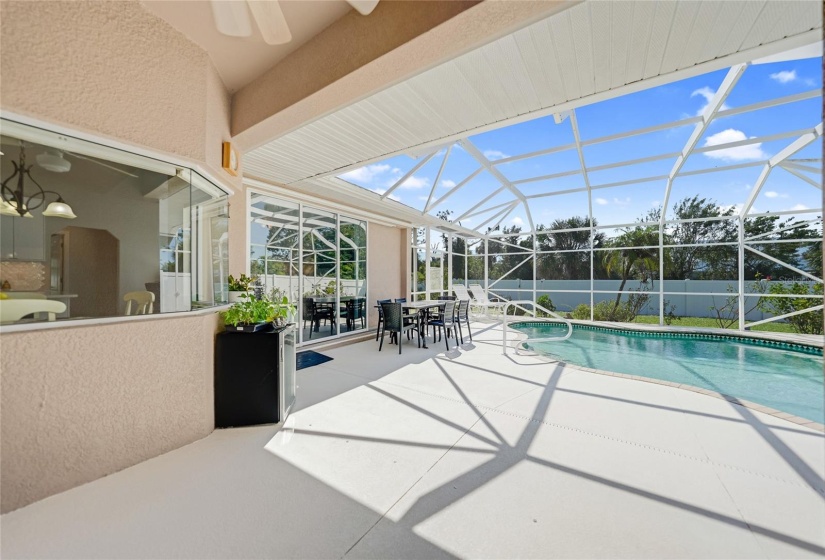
471,149
409,174
713,107
437,178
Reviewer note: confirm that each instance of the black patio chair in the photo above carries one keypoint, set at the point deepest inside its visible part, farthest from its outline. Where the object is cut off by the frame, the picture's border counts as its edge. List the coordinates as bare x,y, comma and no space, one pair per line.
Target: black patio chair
380,316
462,315
446,322
396,322
356,309
317,313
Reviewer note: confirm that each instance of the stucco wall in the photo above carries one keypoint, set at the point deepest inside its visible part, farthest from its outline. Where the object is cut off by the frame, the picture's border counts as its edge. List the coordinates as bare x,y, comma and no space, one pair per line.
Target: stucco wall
386,256
113,69
80,403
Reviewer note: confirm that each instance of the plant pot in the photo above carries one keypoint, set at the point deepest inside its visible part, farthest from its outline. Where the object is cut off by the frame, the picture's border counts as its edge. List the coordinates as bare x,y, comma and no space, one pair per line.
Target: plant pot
247,327
235,296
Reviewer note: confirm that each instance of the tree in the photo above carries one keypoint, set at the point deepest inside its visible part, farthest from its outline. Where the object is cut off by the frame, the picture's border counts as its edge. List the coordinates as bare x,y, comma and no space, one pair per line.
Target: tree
573,265
631,258
697,261
768,234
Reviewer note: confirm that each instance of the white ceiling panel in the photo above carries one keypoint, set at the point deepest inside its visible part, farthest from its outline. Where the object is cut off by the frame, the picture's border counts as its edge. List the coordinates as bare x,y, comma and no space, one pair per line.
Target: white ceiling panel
589,49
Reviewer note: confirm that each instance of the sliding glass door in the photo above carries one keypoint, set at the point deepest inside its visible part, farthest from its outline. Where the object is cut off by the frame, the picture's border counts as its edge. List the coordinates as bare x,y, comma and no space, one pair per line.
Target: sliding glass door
315,257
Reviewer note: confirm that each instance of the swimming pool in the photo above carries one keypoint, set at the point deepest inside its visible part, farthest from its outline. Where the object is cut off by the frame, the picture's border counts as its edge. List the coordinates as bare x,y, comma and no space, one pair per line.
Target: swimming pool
783,376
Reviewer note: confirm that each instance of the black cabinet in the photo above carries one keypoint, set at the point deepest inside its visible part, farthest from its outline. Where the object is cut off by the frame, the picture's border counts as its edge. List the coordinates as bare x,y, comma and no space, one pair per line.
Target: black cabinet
254,377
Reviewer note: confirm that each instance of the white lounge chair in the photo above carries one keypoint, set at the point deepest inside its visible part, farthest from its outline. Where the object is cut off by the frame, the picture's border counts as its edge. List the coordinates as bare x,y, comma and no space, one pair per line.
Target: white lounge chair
461,293
481,299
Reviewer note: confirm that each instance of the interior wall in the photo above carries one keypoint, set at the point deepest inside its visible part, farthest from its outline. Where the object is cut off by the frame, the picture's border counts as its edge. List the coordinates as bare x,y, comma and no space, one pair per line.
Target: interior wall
122,393
129,217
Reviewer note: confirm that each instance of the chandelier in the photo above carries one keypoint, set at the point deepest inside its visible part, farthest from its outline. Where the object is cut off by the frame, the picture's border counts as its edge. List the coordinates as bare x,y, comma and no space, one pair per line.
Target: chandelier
16,203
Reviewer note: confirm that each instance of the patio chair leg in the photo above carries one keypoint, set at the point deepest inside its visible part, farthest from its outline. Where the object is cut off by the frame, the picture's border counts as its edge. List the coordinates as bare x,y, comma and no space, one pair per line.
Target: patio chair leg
446,339
382,340
399,343
461,334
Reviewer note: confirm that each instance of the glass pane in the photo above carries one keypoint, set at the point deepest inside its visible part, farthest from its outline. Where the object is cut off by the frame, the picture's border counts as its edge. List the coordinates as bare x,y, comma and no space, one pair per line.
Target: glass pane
274,253
321,290
353,248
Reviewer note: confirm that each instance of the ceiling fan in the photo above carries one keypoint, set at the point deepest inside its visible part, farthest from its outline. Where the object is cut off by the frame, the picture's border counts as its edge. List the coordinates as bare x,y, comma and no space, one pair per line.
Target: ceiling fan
232,18
52,160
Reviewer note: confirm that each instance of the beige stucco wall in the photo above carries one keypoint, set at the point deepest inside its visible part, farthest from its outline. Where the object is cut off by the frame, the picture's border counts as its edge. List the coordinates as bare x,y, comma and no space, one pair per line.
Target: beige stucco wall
387,256
79,403
112,69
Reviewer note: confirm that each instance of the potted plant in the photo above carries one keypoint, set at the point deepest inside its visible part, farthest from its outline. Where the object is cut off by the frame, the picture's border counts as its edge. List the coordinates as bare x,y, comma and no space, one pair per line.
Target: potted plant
249,314
238,287
284,311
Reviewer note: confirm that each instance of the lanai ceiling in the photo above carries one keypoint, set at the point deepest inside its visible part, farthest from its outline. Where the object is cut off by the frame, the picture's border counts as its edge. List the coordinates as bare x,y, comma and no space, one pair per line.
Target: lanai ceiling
590,52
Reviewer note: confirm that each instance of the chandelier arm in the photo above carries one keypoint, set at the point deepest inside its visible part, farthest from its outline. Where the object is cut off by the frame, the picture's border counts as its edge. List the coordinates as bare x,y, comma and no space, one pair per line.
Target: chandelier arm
5,188
41,194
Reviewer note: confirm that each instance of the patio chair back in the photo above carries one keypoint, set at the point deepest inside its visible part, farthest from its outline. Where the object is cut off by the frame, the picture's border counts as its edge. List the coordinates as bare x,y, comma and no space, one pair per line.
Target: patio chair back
401,300
393,316
460,291
380,315
462,314
449,313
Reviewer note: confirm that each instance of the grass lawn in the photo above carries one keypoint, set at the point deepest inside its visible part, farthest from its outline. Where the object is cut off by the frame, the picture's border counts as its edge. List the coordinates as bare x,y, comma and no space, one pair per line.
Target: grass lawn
708,322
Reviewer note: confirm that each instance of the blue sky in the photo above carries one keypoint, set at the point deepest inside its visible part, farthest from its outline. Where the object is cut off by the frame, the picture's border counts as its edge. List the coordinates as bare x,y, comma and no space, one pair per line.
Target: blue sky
617,205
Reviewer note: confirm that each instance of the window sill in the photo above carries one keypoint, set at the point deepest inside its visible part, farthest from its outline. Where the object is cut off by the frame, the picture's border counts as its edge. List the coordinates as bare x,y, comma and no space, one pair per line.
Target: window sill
75,323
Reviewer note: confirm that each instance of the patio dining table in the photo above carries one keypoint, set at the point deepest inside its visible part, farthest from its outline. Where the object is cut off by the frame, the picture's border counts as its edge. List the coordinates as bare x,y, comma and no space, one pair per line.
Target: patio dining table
424,307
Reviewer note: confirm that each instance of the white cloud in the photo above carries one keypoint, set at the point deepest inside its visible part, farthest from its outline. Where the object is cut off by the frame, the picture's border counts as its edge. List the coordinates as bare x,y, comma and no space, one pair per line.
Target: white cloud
621,201
365,174
601,201
774,194
655,203
518,221
424,198
494,155
799,207
415,182
447,183
739,153
708,94
785,76
391,197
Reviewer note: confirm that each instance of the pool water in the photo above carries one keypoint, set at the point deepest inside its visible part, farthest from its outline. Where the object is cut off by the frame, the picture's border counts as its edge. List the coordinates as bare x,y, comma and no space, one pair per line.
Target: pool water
781,378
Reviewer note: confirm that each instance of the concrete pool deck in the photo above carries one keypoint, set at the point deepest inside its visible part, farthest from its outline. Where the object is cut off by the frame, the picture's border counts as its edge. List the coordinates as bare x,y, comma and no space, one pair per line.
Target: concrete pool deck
459,454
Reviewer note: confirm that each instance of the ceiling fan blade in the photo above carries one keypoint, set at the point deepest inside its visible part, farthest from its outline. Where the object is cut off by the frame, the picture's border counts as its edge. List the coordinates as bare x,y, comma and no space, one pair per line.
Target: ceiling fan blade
271,21
364,7
113,168
232,17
